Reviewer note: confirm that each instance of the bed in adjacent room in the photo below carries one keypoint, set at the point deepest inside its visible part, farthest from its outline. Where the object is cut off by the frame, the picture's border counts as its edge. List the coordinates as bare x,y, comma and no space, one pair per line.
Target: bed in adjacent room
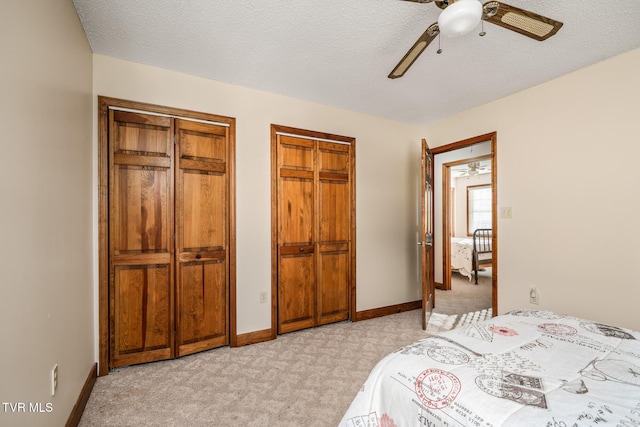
462,256
468,255
519,369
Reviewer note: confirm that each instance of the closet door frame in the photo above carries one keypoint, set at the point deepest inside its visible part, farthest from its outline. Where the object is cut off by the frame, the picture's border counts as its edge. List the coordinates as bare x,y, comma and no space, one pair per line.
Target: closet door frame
103,212
318,136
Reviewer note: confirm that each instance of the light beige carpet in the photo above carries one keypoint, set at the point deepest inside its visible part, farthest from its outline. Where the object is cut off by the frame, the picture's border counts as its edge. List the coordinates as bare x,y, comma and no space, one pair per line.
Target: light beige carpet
306,378
465,296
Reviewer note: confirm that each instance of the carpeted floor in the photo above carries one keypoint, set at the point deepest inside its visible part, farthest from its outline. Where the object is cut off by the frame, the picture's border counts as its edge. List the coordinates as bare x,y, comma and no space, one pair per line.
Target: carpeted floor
465,296
306,378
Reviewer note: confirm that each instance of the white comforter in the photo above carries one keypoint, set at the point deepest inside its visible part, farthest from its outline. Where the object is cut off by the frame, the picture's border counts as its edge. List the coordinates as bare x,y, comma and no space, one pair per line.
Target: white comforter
526,368
462,256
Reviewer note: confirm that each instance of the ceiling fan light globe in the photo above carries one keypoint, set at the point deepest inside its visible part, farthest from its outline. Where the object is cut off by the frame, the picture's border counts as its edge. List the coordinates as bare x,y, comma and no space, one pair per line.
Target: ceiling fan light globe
460,17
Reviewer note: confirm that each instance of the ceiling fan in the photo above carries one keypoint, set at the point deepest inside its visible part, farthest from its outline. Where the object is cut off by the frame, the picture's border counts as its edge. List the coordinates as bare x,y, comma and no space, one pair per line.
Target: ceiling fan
458,17
472,169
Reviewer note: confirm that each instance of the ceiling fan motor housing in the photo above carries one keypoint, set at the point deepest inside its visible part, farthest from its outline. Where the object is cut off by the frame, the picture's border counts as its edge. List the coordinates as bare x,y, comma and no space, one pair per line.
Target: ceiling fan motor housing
460,17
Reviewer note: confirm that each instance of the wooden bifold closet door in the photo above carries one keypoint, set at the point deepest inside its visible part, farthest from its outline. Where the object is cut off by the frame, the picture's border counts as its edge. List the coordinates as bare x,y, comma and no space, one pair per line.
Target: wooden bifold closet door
315,231
141,238
201,237
169,236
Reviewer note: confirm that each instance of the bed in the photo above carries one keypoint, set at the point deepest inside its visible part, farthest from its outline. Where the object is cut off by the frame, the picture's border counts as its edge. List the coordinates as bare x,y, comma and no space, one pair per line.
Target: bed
468,255
462,256
519,369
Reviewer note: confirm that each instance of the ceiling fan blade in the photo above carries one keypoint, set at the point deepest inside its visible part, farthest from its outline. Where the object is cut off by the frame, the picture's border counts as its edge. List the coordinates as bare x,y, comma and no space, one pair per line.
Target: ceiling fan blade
420,1
521,21
418,47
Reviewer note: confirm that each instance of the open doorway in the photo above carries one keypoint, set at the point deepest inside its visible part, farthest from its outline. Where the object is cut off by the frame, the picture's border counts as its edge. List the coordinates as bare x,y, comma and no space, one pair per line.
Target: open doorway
466,204
465,201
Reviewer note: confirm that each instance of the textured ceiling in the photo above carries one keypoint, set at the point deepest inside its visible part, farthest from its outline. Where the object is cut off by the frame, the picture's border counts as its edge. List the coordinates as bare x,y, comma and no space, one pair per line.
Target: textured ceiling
339,52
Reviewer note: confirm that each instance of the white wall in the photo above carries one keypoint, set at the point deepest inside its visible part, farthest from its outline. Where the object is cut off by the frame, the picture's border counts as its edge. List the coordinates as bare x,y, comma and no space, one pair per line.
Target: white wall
46,309
567,162
387,175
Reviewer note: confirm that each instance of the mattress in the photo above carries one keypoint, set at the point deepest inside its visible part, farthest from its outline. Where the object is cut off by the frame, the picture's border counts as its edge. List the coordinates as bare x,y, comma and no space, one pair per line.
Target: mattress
523,368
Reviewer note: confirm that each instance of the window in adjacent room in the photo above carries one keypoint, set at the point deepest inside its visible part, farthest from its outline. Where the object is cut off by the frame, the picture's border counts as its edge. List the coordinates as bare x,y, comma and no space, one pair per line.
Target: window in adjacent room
478,207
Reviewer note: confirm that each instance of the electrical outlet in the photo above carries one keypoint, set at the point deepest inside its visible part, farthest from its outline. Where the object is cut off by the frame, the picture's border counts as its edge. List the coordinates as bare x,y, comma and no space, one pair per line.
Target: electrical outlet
534,296
54,379
263,297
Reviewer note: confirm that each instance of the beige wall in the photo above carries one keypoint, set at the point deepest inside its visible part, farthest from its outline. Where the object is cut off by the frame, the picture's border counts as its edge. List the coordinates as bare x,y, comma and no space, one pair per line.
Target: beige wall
567,154
46,309
387,175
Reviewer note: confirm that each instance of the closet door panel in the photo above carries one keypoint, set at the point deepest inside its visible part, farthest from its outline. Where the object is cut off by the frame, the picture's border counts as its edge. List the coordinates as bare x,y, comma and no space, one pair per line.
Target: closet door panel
202,236
296,211
334,158
139,133
296,153
334,193
203,211
140,244
334,198
141,210
202,317
295,191
335,221
143,325
296,289
333,283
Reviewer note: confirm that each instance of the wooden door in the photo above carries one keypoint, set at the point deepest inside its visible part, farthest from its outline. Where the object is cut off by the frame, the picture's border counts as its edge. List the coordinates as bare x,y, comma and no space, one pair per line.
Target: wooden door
313,208
426,244
166,232
202,239
334,231
141,266
296,233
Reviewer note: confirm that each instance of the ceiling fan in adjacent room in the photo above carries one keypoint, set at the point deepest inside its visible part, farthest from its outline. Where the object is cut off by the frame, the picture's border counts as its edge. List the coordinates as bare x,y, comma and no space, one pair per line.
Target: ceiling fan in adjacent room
458,17
471,169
